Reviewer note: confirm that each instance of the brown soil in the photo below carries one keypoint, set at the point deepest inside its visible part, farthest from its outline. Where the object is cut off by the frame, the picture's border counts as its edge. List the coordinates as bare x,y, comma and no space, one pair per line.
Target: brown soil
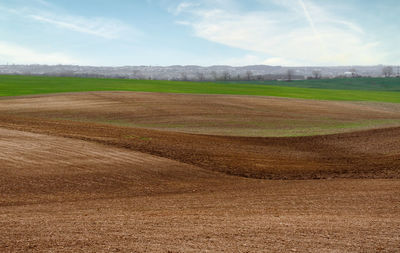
39,168
208,114
87,187
261,216
367,154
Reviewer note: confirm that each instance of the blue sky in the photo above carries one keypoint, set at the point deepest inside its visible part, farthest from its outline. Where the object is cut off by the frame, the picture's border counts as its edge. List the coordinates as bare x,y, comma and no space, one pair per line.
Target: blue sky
201,32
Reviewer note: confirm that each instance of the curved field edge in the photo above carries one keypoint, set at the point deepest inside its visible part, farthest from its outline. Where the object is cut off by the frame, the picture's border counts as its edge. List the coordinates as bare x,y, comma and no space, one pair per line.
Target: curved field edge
232,115
37,168
367,154
31,85
328,128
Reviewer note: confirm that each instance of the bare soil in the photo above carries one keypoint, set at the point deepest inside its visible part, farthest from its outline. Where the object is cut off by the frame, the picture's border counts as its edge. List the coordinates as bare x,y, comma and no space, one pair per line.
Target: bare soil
72,186
366,154
209,114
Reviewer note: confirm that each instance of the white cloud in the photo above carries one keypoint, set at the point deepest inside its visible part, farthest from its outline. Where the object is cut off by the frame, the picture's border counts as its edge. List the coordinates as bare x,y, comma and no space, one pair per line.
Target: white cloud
299,32
13,53
106,28
182,7
96,26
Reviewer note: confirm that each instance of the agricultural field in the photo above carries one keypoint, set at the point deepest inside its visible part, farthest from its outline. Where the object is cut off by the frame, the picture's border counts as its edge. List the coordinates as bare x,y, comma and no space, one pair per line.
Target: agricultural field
367,84
30,85
107,165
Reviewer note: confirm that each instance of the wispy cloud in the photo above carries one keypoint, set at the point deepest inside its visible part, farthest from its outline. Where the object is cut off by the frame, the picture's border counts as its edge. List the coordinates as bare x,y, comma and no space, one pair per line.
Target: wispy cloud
97,26
183,6
300,32
106,28
12,53
310,20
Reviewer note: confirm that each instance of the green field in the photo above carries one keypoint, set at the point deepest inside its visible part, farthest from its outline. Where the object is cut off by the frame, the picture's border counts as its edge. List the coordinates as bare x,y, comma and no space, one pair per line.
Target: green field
369,84
30,85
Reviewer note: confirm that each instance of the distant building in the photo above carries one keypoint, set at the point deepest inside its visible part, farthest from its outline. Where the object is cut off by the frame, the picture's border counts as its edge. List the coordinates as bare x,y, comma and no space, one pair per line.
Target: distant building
348,74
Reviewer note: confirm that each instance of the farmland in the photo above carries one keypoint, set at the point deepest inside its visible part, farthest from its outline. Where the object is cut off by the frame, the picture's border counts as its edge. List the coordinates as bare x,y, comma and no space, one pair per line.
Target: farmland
352,84
102,165
30,85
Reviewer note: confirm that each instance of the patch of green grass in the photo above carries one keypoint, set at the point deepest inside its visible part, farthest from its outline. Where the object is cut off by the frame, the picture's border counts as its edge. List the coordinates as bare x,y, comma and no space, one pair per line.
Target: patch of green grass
274,128
31,85
139,138
301,130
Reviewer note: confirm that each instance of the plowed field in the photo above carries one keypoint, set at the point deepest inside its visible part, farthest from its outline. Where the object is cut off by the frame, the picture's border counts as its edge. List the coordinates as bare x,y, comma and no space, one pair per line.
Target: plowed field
101,172
209,114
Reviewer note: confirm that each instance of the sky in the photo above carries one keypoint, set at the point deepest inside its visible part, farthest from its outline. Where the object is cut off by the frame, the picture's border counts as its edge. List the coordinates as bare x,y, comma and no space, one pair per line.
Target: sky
201,32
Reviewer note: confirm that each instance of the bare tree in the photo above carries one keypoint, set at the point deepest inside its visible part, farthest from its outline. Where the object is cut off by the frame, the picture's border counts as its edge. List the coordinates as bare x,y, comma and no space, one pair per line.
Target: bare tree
289,74
214,75
249,75
200,76
226,76
184,76
387,71
137,74
316,74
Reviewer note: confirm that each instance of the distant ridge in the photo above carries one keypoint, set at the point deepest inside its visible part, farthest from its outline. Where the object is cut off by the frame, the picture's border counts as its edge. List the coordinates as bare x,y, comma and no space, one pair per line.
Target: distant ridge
198,73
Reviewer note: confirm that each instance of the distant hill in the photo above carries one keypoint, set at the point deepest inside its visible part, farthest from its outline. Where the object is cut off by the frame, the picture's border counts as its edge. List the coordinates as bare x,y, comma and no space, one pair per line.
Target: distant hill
198,73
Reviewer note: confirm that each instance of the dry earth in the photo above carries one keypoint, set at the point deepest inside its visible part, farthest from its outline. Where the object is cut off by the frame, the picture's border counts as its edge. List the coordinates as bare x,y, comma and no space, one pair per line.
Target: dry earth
68,186
209,114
